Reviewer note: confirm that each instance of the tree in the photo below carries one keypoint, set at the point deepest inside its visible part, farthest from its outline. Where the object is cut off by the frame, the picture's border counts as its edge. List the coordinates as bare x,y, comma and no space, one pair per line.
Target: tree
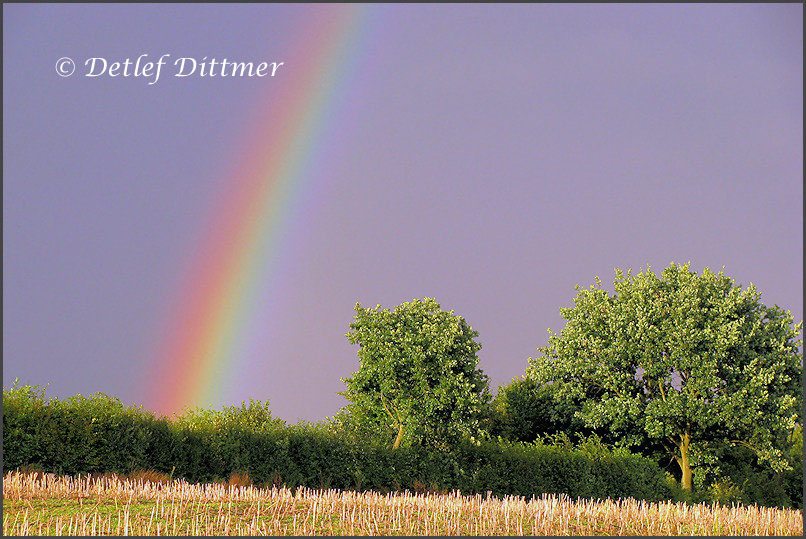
417,375
523,410
691,361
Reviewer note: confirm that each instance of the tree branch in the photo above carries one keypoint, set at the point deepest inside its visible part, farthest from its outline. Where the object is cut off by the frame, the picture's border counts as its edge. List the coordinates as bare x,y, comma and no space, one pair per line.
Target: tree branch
662,391
383,402
741,442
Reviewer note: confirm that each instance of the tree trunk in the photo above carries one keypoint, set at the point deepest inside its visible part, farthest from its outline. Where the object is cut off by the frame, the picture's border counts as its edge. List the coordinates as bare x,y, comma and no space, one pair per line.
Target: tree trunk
683,461
399,436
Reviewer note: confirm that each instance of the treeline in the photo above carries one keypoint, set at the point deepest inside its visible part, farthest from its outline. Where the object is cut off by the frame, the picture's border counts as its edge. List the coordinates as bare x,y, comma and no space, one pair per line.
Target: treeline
689,370
98,434
681,386
524,410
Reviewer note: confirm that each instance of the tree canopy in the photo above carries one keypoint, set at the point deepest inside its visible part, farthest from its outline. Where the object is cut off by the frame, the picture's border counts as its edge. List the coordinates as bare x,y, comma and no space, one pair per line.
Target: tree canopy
523,411
693,362
418,378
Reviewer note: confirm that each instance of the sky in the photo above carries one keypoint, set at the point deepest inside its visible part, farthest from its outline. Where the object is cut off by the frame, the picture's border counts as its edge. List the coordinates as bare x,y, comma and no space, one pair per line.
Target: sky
491,157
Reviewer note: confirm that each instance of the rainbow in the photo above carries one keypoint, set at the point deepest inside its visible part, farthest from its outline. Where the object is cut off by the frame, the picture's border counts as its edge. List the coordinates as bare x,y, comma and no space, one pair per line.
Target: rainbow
245,233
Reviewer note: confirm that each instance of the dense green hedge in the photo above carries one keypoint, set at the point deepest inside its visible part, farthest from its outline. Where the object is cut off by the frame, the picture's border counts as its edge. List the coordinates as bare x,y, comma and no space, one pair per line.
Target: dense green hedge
98,434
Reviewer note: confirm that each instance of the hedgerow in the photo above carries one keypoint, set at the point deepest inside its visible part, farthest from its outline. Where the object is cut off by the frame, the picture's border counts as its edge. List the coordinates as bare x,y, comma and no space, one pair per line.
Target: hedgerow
98,434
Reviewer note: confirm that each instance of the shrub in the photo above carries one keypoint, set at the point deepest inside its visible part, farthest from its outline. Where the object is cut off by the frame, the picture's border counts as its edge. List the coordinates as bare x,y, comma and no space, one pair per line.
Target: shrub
245,445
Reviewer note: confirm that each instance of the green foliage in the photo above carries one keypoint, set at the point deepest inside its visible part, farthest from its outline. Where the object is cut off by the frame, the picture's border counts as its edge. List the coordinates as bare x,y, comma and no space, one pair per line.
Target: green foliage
91,434
689,361
98,434
213,444
741,478
524,411
253,417
418,380
208,446
588,471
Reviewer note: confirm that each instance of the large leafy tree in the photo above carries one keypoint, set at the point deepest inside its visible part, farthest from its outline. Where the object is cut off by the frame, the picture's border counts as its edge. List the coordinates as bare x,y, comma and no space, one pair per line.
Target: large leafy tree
418,378
693,362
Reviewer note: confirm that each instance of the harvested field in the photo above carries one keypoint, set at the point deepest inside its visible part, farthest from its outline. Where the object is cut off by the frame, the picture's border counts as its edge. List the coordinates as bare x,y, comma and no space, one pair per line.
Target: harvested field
44,504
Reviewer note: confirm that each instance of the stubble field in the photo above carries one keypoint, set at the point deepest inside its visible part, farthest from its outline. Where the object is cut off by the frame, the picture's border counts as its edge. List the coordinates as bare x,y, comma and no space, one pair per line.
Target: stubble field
44,504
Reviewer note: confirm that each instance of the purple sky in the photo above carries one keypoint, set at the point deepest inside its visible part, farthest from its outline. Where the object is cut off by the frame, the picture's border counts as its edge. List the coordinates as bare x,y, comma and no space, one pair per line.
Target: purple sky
489,156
